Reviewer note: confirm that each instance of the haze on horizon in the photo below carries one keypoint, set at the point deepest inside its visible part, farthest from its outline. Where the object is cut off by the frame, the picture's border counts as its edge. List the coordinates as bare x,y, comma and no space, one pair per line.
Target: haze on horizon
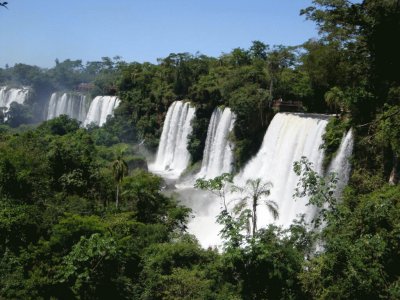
38,33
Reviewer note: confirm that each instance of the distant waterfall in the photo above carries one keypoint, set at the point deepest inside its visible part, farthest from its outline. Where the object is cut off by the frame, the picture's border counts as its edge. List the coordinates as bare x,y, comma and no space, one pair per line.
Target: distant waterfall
341,162
100,108
73,105
9,95
218,157
172,155
288,138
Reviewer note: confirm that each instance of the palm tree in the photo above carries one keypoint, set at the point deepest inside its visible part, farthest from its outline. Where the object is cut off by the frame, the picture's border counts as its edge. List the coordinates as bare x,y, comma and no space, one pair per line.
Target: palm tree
255,190
335,99
120,169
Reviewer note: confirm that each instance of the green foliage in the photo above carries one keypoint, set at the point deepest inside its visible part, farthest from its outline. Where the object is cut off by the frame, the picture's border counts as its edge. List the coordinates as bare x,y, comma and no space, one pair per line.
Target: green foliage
141,192
19,114
248,103
334,132
60,238
22,219
236,222
87,269
198,136
266,268
59,126
361,251
71,228
175,270
319,189
255,190
334,98
388,128
119,170
218,185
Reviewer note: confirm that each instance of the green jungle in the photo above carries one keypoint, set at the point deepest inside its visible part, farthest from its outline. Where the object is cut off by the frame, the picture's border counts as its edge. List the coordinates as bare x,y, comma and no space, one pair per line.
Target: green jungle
82,218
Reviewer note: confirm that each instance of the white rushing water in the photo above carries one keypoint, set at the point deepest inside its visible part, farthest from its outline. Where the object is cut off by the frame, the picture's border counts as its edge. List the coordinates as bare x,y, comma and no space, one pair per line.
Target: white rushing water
288,138
100,108
71,104
340,164
218,156
172,155
9,95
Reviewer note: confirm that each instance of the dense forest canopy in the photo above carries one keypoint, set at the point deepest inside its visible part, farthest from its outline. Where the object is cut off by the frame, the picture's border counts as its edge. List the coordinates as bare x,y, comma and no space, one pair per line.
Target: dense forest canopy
65,231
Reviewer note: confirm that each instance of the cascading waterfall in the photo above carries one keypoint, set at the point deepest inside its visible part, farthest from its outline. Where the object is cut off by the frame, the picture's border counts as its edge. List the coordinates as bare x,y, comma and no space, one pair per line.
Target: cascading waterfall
288,138
73,105
172,155
9,95
340,164
100,108
217,156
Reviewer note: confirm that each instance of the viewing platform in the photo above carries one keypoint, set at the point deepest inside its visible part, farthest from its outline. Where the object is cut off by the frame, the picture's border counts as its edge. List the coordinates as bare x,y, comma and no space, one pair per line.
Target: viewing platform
280,105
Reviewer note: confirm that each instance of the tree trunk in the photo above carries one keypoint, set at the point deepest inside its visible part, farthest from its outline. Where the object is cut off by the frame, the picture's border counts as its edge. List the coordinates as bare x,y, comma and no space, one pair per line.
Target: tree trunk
116,199
271,87
254,215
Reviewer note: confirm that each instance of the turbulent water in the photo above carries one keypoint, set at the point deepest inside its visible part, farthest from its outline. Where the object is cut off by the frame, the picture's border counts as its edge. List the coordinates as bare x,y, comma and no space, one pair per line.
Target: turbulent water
288,138
100,108
217,156
73,105
172,155
9,95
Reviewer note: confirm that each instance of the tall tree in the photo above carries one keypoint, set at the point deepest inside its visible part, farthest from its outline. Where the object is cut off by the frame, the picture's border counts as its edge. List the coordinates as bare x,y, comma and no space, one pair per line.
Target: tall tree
255,190
120,170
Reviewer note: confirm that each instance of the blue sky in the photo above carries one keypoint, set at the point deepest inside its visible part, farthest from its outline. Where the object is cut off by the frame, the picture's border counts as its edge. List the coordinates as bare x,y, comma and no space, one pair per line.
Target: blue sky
37,32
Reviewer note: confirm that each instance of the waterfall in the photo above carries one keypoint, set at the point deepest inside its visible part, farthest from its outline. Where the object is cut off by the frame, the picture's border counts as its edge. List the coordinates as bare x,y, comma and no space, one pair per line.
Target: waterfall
73,105
9,95
217,156
288,138
172,155
340,164
100,108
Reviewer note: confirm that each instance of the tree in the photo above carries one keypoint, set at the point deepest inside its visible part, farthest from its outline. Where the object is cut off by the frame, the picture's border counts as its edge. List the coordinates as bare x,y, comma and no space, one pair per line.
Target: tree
278,59
255,190
120,169
360,239
238,220
232,227
335,98
18,114
387,134
219,186
258,50
321,190
92,268
142,194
